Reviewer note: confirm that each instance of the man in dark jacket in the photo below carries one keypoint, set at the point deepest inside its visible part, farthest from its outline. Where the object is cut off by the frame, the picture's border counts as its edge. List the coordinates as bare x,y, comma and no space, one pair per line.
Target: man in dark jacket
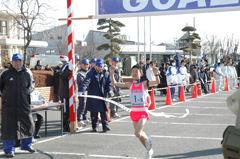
203,79
17,122
64,91
98,83
178,59
82,111
116,90
207,71
145,67
56,78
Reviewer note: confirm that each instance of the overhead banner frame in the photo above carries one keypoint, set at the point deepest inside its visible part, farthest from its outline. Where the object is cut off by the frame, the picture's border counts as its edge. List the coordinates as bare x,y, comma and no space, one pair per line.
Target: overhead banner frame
136,8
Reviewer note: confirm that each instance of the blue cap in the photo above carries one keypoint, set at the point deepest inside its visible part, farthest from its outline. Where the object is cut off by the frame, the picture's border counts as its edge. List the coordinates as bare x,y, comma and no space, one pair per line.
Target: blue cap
116,59
100,62
17,57
77,57
93,60
85,61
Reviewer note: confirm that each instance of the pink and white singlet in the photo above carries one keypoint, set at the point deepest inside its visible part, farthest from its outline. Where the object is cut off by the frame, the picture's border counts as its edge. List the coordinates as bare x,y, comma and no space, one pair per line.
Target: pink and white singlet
140,101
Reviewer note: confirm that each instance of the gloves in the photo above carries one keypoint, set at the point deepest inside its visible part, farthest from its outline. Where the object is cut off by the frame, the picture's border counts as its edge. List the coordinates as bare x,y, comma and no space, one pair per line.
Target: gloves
80,93
70,67
111,93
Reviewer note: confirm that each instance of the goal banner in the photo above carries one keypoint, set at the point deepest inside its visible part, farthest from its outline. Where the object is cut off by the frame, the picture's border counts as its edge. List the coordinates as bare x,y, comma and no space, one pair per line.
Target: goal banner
133,8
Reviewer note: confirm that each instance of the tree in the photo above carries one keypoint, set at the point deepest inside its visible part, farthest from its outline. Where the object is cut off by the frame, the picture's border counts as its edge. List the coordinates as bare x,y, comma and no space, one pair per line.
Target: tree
113,27
189,40
26,14
211,46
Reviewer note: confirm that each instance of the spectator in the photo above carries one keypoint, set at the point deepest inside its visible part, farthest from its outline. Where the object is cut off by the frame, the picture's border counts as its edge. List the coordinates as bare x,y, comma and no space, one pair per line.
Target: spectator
163,79
38,66
48,68
116,90
98,83
36,99
64,90
216,65
167,61
207,71
194,78
178,59
82,110
124,64
150,75
203,79
205,63
187,64
200,63
145,67
205,57
93,63
194,64
219,76
235,79
56,77
182,76
141,64
17,122
172,78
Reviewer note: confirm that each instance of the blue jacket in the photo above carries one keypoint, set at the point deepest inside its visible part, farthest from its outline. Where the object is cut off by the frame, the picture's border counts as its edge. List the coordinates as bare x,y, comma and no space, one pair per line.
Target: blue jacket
81,75
178,60
99,86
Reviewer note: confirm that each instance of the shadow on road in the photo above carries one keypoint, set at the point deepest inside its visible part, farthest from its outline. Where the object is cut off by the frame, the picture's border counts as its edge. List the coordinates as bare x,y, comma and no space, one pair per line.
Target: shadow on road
201,153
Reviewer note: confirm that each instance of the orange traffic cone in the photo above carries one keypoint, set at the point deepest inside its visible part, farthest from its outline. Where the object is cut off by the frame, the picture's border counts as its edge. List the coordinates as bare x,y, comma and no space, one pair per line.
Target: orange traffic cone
239,84
168,98
213,87
194,95
153,104
199,89
226,85
182,95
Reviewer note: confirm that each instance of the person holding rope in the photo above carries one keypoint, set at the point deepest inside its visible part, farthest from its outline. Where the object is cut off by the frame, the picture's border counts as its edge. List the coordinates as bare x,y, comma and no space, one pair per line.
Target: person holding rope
219,76
98,83
140,101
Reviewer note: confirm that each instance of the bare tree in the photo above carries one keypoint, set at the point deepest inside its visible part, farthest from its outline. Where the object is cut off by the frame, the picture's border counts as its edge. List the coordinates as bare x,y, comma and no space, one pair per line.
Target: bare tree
89,51
26,14
211,45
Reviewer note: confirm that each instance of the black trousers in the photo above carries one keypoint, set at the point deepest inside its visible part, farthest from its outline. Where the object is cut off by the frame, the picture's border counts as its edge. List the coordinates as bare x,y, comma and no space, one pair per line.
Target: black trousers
66,120
94,118
38,124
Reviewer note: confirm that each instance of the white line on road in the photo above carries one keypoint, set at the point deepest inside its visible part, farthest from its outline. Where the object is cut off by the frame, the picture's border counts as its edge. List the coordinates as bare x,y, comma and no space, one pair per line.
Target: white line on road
193,124
107,156
196,107
206,114
155,136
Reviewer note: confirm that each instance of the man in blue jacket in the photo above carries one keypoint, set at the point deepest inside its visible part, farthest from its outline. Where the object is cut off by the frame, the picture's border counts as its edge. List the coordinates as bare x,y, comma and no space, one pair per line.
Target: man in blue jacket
178,59
98,83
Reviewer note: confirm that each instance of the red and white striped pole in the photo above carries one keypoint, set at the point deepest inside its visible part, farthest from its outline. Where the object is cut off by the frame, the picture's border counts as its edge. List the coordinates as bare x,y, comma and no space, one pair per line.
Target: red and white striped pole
71,59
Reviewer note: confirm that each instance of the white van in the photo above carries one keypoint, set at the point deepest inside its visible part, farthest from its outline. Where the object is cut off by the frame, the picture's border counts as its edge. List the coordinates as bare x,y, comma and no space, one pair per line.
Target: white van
52,60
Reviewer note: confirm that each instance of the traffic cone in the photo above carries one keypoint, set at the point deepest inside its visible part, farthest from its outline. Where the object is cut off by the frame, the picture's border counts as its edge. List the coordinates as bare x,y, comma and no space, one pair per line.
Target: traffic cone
226,85
239,84
153,104
182,95
213,87
199,89
168,98
194,95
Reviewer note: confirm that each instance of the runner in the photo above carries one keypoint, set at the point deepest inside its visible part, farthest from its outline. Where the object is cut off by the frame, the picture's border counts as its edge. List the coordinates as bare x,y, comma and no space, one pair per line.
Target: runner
140,102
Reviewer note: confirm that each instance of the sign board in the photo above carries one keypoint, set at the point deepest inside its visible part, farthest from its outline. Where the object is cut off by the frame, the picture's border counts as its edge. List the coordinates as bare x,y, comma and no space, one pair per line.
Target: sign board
131,8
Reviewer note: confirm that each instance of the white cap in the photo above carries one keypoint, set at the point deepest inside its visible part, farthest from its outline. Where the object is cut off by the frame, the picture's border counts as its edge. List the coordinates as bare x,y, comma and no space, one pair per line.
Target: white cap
60,63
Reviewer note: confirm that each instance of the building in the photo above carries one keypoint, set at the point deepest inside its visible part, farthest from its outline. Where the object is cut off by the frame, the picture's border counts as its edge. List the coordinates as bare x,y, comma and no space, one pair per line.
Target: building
11,40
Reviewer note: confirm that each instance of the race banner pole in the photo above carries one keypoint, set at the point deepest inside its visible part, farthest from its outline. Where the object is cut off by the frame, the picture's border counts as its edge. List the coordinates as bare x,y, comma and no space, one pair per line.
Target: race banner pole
71,57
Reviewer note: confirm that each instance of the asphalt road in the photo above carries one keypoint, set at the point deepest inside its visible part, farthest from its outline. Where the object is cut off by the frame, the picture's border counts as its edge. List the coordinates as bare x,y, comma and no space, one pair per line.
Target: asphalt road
196,136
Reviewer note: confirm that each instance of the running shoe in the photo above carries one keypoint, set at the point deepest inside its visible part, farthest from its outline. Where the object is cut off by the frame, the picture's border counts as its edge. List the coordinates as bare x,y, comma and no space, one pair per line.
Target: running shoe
149,154
148,143
10,155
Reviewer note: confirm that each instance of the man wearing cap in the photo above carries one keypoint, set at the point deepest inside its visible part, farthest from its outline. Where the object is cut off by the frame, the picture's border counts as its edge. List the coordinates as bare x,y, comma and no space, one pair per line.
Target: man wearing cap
93,63
116,90
17,122
64,90
82,111
98,83
56,78
178,59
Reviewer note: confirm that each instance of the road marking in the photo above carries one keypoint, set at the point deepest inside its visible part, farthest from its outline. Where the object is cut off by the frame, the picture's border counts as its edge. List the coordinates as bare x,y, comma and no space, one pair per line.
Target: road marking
209,102
194,124
206,114
155,136
196,107
107,156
